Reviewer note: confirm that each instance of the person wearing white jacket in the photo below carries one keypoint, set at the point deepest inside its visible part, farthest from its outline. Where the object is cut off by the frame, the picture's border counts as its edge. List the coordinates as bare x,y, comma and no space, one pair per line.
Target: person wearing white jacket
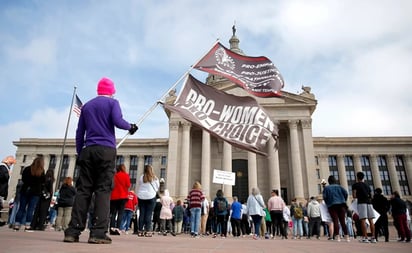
255,206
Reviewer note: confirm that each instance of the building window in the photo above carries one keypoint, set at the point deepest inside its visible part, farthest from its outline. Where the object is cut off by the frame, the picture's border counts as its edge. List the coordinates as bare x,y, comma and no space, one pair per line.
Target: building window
350,172
133,170
119,160
401,173
163,173
64,170
318,173
384,175
52,162
164,160
317,160
148,159
333,167
24,158
367,170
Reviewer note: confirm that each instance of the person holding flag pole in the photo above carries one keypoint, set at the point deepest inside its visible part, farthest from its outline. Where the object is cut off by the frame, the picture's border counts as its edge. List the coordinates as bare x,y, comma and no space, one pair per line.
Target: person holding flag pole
96,150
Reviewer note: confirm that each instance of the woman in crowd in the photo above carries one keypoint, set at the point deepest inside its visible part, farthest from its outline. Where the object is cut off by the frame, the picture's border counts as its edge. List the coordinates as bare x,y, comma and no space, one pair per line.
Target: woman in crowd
148,187
255,206
195,199
118,198
65,202
33,177
43,206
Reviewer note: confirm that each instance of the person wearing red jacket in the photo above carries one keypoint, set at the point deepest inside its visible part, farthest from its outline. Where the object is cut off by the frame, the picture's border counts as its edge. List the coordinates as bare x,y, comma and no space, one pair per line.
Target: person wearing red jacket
118,198
129,209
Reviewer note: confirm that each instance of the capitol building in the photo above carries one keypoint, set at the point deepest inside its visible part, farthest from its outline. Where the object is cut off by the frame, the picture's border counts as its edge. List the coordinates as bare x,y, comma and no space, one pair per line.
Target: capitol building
296,167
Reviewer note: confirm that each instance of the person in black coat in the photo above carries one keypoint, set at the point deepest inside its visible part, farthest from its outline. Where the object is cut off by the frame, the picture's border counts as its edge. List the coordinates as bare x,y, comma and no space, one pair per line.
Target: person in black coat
381,205
43,206
5,167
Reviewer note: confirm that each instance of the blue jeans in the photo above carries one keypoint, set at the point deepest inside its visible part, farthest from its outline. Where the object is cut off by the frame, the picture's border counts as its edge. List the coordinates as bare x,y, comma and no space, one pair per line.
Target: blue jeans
146,207
195,220
257,220
127,217
27,206
297,227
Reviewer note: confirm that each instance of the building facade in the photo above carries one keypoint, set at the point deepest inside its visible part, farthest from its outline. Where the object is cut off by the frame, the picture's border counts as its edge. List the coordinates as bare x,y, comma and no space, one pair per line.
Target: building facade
296,165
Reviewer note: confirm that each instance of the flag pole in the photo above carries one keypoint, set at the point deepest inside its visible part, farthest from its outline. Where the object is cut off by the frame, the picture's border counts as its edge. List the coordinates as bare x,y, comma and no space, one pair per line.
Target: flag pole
153,107
64,141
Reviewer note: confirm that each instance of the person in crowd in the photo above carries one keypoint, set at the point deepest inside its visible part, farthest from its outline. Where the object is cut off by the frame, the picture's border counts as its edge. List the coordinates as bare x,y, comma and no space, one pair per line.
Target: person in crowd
362,193
148,188
43,205
156,215
275,207
399,214
245,224
166,215
236,217
255,206
33,178
178,212
296,212
53,213
16,204
381,205
314,218
65,202
287,219
349,223
335,197
118,198
204,214
96,150
129,210
220,206
5,171
195,199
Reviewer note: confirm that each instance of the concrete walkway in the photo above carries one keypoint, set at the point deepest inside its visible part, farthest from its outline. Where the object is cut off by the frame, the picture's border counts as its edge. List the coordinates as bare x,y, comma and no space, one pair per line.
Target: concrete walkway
50,241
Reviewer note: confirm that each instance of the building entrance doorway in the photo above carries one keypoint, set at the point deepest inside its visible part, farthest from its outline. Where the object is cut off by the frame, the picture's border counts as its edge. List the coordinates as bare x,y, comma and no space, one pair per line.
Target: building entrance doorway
241,187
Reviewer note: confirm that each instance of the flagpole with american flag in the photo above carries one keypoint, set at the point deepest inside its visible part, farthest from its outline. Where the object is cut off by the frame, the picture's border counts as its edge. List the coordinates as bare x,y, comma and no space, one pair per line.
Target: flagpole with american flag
76,108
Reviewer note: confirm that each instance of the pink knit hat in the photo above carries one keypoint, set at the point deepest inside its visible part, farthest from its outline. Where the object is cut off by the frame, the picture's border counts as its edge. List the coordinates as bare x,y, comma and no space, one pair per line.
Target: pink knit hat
105,87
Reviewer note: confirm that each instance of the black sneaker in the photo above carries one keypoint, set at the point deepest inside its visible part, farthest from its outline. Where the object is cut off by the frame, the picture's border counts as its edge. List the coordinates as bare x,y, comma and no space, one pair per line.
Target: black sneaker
114,231
71,238
97,240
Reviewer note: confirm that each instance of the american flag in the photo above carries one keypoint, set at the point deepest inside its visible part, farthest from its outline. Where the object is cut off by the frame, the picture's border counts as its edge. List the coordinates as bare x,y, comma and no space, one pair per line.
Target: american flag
77,108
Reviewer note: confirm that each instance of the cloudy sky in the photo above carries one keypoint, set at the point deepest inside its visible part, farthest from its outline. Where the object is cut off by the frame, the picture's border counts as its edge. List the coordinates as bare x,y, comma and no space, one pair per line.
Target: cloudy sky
355,54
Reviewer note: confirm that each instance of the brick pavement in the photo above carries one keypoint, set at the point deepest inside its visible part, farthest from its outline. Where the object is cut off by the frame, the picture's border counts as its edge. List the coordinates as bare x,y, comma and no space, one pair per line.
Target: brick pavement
51,241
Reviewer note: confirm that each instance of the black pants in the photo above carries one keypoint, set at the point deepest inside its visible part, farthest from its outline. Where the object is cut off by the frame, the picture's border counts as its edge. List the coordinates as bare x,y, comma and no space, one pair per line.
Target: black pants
314,226
381,225
236,230
277,222
97,167
116,212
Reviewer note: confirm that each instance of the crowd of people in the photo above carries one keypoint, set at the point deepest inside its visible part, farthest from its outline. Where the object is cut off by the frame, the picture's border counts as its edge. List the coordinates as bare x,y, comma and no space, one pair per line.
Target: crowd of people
104,203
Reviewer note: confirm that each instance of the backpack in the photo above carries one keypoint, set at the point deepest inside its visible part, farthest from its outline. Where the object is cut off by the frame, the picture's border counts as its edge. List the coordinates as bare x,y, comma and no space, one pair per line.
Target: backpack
221,205
298,212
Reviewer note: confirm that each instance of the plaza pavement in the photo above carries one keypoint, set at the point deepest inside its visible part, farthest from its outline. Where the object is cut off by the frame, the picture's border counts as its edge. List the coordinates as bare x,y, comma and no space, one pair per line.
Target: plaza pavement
50,241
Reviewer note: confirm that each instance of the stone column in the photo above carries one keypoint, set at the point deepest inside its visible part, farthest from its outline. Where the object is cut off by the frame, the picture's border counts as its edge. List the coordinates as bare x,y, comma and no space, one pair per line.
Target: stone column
408,168
227,166
72,164
309,158
393,174
296,161
343,179
252,170
357,163
273,162
205,169
172,160
185,162
377,183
